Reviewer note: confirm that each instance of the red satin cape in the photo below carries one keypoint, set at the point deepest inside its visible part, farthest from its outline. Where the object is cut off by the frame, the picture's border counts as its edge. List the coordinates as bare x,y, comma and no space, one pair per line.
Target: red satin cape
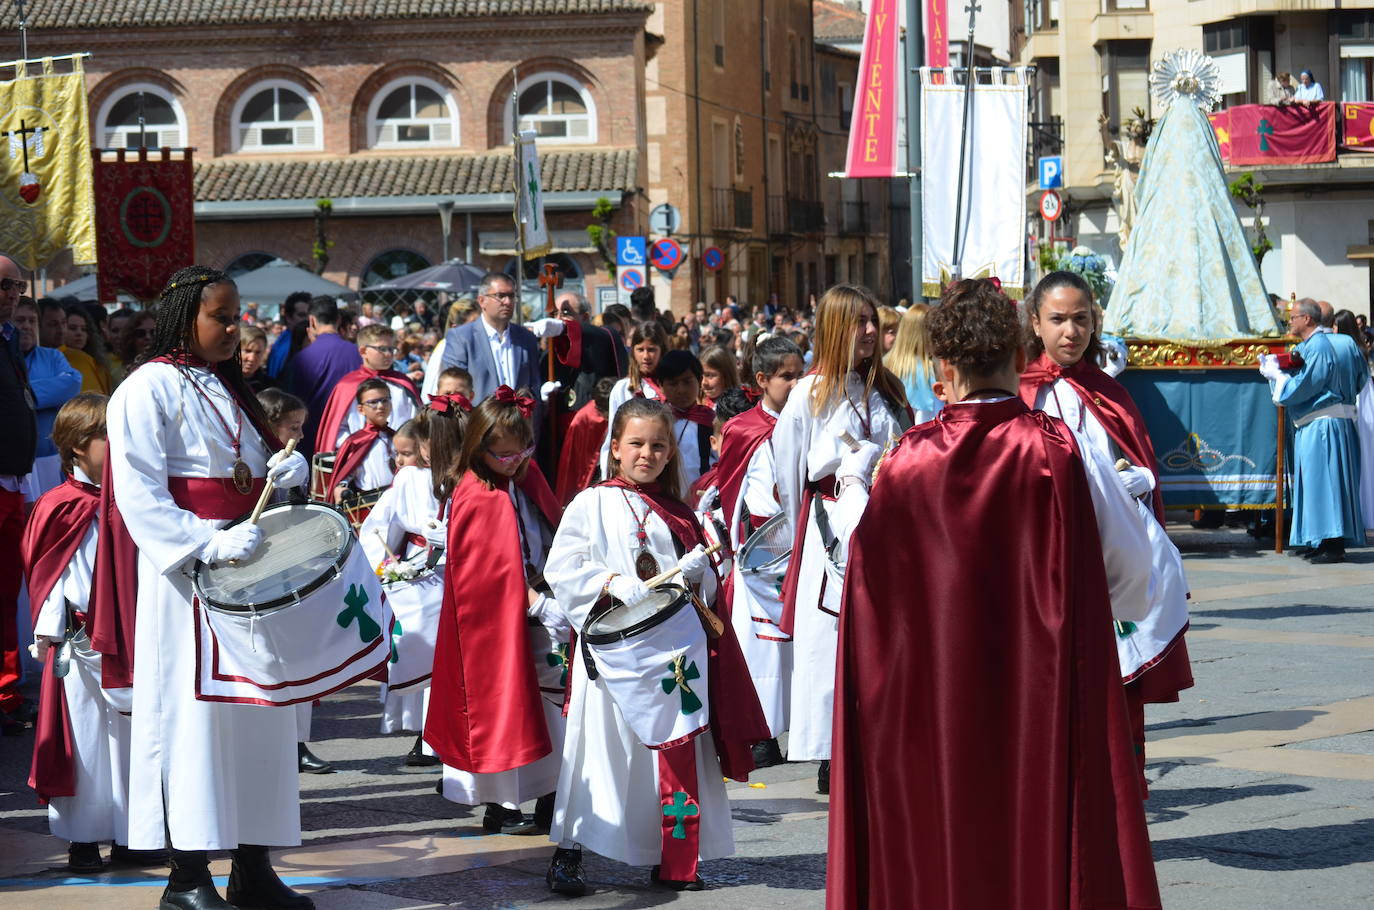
485,711
982,753
56,527
580,451
344,398
740,439
352,454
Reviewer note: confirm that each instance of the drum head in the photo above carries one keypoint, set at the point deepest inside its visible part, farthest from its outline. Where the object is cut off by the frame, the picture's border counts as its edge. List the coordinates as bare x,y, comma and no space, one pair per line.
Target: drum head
302,548
767,548
623,620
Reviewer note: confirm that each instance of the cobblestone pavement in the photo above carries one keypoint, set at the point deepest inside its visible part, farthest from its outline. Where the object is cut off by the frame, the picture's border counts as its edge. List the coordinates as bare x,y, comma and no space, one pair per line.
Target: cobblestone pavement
1262,796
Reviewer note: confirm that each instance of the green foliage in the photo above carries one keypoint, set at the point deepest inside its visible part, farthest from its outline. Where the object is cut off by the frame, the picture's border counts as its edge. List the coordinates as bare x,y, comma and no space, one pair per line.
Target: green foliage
1245,189
600,233
319,251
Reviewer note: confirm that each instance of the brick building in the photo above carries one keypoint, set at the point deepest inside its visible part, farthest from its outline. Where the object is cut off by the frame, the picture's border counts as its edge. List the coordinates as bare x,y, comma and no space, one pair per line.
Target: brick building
385,109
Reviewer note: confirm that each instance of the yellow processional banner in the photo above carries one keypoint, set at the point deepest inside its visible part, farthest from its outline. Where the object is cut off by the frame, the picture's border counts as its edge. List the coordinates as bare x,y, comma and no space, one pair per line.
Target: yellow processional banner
46,203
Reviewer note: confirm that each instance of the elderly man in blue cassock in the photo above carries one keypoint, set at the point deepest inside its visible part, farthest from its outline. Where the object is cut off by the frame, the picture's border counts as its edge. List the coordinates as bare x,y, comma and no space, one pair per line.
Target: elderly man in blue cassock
1320,398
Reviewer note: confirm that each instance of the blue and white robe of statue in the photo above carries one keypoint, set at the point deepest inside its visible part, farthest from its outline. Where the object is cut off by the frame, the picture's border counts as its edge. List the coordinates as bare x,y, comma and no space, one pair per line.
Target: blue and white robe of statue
1320,399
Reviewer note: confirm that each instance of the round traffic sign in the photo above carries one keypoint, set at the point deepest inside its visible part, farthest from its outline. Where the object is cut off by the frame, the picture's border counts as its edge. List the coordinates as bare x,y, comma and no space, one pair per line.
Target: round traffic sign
666,254
1051,206
631,278
712,258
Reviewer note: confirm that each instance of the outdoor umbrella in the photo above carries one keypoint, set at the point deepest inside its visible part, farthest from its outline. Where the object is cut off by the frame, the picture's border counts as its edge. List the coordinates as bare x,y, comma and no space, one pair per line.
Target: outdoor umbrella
453,277
270,285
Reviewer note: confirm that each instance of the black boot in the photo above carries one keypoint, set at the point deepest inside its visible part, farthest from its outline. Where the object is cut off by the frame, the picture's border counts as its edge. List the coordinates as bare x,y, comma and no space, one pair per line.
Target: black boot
1331,551
767,754
500,820
190,887
416,757
543,813
84,858
823,777
123,856
565,873
308,762
253,883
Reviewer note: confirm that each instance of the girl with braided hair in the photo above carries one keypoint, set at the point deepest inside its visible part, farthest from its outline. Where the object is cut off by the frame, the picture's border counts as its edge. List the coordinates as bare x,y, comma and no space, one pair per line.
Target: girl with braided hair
190,450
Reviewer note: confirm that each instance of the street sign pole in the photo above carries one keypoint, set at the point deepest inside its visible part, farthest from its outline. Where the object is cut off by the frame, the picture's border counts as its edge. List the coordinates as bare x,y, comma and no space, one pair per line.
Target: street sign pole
915,54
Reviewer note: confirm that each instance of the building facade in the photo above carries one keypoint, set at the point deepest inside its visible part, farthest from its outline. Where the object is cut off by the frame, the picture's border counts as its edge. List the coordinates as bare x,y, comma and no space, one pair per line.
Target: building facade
1094,59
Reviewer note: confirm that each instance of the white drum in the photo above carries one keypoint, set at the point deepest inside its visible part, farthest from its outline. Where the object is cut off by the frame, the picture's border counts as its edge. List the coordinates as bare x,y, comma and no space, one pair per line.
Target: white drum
415,604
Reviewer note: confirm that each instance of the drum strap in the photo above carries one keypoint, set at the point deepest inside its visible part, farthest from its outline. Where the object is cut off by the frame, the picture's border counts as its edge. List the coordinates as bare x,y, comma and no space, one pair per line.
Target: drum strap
823,490
681,812
704,447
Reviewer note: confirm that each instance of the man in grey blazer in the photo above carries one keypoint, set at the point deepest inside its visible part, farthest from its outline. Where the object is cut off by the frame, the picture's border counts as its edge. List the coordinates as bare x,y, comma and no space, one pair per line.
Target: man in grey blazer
497,351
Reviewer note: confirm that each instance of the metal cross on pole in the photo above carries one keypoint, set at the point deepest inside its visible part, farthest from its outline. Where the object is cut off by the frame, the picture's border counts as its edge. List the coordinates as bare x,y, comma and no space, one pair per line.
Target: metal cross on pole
551,280
23,30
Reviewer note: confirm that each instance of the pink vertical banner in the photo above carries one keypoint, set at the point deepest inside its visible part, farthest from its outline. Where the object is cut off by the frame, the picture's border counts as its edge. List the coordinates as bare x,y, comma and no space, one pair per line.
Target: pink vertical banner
873,132
937,33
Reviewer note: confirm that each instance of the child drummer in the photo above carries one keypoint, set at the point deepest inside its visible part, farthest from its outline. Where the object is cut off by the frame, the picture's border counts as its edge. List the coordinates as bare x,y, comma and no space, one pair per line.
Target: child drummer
663,807
363,463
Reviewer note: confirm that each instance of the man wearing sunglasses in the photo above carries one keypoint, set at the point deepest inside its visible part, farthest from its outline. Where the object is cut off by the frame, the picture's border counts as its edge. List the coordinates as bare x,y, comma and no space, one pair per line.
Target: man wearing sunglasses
18,447
497,351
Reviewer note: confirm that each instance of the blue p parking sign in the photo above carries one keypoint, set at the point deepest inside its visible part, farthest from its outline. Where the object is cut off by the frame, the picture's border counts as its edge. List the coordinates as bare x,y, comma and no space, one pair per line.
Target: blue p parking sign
1051,172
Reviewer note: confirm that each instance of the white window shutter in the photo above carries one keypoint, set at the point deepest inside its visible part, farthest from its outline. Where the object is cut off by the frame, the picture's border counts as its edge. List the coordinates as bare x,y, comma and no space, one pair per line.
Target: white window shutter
305,135
248,137
387,134
441,132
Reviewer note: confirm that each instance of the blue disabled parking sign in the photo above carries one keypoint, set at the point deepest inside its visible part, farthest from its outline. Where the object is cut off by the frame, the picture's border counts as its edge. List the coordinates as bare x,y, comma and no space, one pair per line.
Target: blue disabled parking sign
1051,172
631,251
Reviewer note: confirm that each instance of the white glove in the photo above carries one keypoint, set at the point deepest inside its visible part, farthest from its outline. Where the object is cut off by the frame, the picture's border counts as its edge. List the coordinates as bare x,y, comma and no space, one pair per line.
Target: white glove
546,328
546,612
860,463
1269,367
548,390
694,564
40,646
628,590
287,472
229,544
437,536
1137,481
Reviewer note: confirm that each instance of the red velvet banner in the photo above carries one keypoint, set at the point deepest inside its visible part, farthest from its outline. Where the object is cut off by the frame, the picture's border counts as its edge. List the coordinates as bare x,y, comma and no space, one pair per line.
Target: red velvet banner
937,33
1266,134
1358,120
145,221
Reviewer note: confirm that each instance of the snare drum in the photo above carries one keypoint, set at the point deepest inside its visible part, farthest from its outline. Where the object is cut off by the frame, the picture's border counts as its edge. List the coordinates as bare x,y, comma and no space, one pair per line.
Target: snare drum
652,659
302,617
415,603
763,562
321,472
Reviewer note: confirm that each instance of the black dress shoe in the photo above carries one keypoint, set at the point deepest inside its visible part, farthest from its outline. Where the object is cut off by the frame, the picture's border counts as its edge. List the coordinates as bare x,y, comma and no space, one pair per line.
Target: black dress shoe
565,873
254,883
201,897
697,884
416,757
1327,556
308,762
84,858
767,754
500,820
543,813
123,856
823,777
1304,552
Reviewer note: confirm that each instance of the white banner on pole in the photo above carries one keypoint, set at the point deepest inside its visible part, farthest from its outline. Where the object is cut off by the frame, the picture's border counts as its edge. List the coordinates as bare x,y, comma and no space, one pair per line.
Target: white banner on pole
993,222
529,190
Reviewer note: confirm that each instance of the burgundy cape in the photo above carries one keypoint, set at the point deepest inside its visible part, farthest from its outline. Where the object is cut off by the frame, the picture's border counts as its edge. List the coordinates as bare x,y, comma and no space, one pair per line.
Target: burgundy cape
113,605
737,720
1171,672
740,439
344,398
982,753
581,450
59,522
485,713
352,454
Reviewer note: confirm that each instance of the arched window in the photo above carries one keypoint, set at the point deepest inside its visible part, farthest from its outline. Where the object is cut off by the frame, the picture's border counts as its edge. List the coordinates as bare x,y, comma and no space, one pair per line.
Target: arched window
393,264
247,263
275,116
556,107
412,112
164,122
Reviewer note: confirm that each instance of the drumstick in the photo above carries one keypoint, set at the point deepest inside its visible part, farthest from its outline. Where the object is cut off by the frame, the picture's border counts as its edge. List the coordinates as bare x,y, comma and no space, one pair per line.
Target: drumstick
267,487
1122,464
849,441
667,576
385,546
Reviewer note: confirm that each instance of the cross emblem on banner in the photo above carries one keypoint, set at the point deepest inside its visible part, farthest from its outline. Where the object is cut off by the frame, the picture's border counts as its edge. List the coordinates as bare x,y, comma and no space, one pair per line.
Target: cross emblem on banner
680,808
533,186
356,599
1265,130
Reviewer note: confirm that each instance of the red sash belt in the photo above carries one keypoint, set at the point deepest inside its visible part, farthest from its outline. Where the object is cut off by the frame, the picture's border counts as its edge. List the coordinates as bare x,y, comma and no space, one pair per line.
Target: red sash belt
214,498
825,486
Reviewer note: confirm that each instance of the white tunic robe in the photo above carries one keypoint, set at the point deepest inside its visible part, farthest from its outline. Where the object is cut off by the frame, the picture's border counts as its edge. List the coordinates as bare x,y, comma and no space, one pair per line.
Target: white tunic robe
620,393
407,507
608,799
807,447
216,775
100,733
549,627
769,661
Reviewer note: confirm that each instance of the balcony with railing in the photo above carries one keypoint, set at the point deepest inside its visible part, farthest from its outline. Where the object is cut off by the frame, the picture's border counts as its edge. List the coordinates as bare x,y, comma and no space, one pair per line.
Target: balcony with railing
790,215
1046,138
853,216
733,209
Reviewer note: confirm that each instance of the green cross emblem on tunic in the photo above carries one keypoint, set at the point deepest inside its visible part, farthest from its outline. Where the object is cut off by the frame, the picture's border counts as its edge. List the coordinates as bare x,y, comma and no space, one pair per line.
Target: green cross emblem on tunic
1265,130
356,599
559,658
1124,629
679,680
396,633
680,808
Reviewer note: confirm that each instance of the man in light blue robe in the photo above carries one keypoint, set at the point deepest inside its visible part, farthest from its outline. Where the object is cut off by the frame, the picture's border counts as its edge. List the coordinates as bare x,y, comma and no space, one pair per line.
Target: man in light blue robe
1320,398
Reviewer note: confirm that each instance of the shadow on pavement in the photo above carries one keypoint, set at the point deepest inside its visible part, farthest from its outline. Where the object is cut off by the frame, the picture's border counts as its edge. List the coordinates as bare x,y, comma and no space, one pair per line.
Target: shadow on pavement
1278,849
